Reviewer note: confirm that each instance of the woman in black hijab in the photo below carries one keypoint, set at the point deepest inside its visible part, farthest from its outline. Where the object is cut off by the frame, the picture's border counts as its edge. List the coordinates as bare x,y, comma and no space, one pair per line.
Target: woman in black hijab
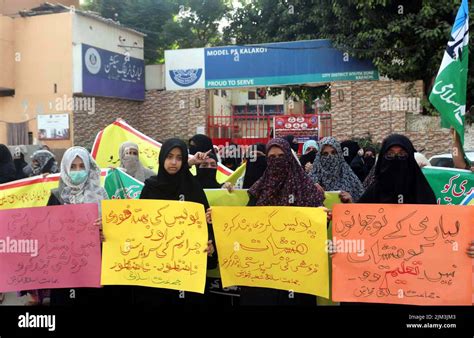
256,166
206,173
200,143
293,142
361,165
174,182
19,162
7,168
349,150
398,178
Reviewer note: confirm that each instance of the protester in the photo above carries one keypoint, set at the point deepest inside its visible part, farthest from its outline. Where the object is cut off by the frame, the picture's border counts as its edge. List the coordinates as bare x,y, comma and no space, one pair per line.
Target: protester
129,154
310,149
332,172
79,183
397,177
284,183
363,163
255,166
176,183
7,168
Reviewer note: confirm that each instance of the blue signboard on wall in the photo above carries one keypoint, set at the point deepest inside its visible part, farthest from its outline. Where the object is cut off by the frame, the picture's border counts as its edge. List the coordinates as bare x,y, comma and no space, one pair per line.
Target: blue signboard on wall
282,64
110,74
270,64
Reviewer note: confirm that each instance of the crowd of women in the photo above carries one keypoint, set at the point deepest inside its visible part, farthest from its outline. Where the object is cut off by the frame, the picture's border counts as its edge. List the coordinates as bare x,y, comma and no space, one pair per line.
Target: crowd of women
275,176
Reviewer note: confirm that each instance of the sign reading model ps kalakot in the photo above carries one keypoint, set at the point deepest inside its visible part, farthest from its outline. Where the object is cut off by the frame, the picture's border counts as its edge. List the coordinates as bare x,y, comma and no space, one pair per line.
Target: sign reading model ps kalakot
283,63
111,74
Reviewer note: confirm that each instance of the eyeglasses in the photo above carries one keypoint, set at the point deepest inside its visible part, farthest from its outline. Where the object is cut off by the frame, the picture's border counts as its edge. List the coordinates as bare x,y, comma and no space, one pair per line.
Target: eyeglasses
394,156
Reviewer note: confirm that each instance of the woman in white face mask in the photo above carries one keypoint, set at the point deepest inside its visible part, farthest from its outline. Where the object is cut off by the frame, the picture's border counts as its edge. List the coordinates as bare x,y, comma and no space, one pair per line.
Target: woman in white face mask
79,183
129,160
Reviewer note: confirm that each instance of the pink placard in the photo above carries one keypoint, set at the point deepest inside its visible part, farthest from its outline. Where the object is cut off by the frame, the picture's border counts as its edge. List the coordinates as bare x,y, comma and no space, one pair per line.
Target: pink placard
49,247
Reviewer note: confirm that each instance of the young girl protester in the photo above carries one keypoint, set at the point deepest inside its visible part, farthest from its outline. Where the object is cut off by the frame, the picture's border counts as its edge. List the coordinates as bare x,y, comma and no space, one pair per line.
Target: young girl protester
176,183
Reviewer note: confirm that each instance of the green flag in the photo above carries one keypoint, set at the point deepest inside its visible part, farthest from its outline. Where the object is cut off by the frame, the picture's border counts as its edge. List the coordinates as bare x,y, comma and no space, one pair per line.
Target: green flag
448,95
120,185
451,186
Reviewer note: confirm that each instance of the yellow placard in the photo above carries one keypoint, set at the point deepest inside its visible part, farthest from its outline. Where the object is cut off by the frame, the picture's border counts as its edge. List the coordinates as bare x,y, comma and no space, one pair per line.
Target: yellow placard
222,197
274,247
154,243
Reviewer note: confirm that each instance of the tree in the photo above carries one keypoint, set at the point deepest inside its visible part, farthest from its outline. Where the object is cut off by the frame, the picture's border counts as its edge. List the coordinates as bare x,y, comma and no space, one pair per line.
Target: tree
405,39
168,24
198,23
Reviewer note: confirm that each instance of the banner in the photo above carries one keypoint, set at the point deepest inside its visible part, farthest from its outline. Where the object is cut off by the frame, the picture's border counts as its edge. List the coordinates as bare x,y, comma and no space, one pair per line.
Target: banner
402,254
450,185
50,247
274,247
30,192
107,143
27,193
154,243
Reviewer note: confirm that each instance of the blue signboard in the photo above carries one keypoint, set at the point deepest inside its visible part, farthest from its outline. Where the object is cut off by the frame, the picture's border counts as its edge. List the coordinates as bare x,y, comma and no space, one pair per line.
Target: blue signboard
110,74
285,63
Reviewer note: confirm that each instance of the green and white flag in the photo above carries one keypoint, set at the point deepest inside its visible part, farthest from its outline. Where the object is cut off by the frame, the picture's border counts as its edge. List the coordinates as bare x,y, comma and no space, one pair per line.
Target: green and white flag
120,185
451,186
448,95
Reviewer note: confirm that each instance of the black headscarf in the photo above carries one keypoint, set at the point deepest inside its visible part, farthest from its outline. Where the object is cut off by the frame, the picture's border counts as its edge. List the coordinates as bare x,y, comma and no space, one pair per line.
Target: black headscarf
290,139
170,187
231,161
207,176
255,168
362,165
7,168
308,158
202,143
20,163
398,178
349,150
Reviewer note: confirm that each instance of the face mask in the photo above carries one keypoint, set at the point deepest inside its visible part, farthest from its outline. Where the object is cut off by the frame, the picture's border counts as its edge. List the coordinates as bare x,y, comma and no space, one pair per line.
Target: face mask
206,173
130,161
277,166
370,161
330,162
78,177
192,149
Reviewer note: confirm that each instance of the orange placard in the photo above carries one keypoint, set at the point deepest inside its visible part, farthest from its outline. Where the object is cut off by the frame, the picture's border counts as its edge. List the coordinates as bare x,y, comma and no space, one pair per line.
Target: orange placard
402,254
